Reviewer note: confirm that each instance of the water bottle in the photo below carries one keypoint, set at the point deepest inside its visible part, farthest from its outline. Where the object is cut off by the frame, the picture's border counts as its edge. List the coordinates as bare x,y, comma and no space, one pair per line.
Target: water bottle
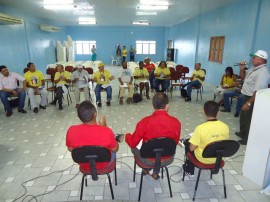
238,64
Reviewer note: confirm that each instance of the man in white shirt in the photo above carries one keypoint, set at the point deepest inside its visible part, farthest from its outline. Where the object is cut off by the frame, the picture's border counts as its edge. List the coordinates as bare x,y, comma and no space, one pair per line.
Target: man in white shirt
9,86
256,78
81,79
125,78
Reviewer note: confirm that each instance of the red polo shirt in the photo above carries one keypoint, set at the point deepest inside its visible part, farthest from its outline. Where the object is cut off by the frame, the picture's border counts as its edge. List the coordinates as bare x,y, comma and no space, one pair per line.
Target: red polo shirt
149,67
159,124
90,135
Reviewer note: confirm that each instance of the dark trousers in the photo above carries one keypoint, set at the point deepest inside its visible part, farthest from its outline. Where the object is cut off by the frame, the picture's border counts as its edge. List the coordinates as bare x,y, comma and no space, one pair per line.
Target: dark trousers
59,94
245,119
188,166
132,58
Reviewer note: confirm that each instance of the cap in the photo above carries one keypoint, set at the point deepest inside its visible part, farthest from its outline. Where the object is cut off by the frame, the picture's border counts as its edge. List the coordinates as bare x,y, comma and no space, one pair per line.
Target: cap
260,53
147,58
79,66
100,64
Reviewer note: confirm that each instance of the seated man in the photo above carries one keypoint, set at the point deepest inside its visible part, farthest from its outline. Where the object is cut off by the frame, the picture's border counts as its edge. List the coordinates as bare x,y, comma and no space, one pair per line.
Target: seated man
35,84
81,79
162,74
102,77
91,133
226,102
159,124
211,131
197,78
61,79
125,78
141,77
9,86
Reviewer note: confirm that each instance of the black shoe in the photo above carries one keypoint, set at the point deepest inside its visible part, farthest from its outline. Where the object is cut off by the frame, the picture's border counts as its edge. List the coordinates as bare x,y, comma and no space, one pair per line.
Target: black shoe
53,102
119,137
238,134
108,103
188,99
42,107
242,142
224,110
60,107
236,114
99,104
35,110
22,111
8,114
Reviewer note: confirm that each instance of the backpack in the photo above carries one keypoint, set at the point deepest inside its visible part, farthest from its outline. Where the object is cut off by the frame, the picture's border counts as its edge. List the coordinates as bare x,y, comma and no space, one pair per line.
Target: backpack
137,98
183,92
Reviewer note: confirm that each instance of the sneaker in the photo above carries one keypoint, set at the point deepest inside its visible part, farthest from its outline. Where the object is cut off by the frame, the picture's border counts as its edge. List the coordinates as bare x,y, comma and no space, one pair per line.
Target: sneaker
77,106
119,137
108,103
224,110
53,102
128,101
236,114
8,114
99,104
42,107
60,107
22,111
188,99
35,110
121,101
147,96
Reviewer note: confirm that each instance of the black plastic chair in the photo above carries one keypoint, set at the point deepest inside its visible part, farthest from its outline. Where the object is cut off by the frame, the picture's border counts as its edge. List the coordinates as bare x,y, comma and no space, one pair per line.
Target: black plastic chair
92,155
218,150
155,148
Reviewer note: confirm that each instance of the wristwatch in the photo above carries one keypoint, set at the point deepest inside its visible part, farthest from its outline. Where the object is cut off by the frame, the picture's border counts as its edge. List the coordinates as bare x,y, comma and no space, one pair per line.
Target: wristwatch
249,104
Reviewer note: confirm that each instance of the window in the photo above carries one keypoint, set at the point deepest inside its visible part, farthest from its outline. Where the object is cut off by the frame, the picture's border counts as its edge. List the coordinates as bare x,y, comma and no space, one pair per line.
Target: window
146,47
216,49
84,47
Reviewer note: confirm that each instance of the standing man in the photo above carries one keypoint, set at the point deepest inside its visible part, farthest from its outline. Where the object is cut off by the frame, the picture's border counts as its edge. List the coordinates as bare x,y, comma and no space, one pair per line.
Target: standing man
35,84
256,78
9,86
62,80
118,54
94,53
124,53
81,79
125,78
197,78
103,77
132,53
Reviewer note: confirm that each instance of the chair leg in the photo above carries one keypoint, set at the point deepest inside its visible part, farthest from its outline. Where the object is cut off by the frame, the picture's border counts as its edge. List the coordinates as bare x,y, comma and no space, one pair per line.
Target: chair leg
201,93
115,176
82,186
134,172
162,173
197,182
140,190
223,176
110,182
86,181
197,95
169,181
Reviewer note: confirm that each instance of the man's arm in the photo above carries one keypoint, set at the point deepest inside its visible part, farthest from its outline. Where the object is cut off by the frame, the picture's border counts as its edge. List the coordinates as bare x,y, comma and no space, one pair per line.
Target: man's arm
242,70
42,82
120,80
192,147
115,149
131,80
246,106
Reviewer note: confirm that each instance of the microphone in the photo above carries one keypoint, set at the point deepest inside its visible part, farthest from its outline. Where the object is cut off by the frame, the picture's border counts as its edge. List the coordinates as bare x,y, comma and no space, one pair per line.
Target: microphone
238,64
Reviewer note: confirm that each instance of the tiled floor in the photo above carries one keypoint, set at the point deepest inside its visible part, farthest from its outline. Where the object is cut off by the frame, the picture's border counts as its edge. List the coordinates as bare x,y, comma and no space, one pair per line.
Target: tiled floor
34,157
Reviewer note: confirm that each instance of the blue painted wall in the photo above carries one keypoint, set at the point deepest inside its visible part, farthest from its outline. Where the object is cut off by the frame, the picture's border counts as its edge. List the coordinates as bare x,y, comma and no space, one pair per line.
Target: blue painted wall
244,25
107,38
26,42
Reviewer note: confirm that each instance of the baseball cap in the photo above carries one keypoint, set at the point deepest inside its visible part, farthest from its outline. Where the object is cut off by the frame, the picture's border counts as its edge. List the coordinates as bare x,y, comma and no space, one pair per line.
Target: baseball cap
260,53
100,64
79,66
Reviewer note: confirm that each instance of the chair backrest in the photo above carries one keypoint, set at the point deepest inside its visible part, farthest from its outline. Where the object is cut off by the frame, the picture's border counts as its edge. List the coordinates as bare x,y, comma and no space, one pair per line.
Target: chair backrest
204,71
185,70
89,70
25,70
176,75
171,69
179,67
157,148
69,69
220,149
91,155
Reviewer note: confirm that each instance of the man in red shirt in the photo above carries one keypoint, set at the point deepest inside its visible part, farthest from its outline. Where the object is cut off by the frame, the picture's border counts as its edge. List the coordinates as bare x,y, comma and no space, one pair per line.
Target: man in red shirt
91,133
150,68
159,124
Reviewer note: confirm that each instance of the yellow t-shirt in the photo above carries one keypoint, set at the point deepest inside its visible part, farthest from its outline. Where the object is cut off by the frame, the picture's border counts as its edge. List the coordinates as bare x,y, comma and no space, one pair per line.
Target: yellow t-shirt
199,73
206,133
228,81
163,72
102,77
34,78
124,52
66,74
140,72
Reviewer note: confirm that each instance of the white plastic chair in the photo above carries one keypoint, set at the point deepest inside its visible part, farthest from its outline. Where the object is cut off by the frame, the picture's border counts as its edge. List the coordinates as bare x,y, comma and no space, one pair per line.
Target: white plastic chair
114,61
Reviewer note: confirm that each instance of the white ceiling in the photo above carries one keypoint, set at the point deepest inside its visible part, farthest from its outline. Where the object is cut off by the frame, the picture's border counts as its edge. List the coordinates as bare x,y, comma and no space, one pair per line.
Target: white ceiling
118,12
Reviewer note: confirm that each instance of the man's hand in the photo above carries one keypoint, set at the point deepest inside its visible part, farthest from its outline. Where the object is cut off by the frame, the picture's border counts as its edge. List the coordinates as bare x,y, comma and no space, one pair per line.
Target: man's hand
14,92
102,121
130,83
243,65
21,89
245,107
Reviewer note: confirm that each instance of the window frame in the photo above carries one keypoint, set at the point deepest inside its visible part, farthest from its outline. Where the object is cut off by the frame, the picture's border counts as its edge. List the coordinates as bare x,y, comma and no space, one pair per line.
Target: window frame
146,47
216,49
83,44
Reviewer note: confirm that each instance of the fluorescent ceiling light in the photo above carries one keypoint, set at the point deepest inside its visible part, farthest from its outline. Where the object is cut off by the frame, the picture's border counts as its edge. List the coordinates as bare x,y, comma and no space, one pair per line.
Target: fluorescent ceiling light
57,1
83,12
87,22
140,23
154,2
146,13
152,7
59,6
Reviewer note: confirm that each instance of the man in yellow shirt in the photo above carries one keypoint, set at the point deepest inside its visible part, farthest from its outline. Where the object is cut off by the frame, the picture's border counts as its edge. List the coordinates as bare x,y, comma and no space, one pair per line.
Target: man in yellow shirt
141,77
210,131
197,78
124,53
61,79
162,74
103,77
35,84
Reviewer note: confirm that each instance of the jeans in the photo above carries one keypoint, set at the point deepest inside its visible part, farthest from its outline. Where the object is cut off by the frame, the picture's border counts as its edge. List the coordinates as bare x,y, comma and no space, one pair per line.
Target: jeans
108,91
59,94
151,79
226,100
4,98
195,83
164,84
